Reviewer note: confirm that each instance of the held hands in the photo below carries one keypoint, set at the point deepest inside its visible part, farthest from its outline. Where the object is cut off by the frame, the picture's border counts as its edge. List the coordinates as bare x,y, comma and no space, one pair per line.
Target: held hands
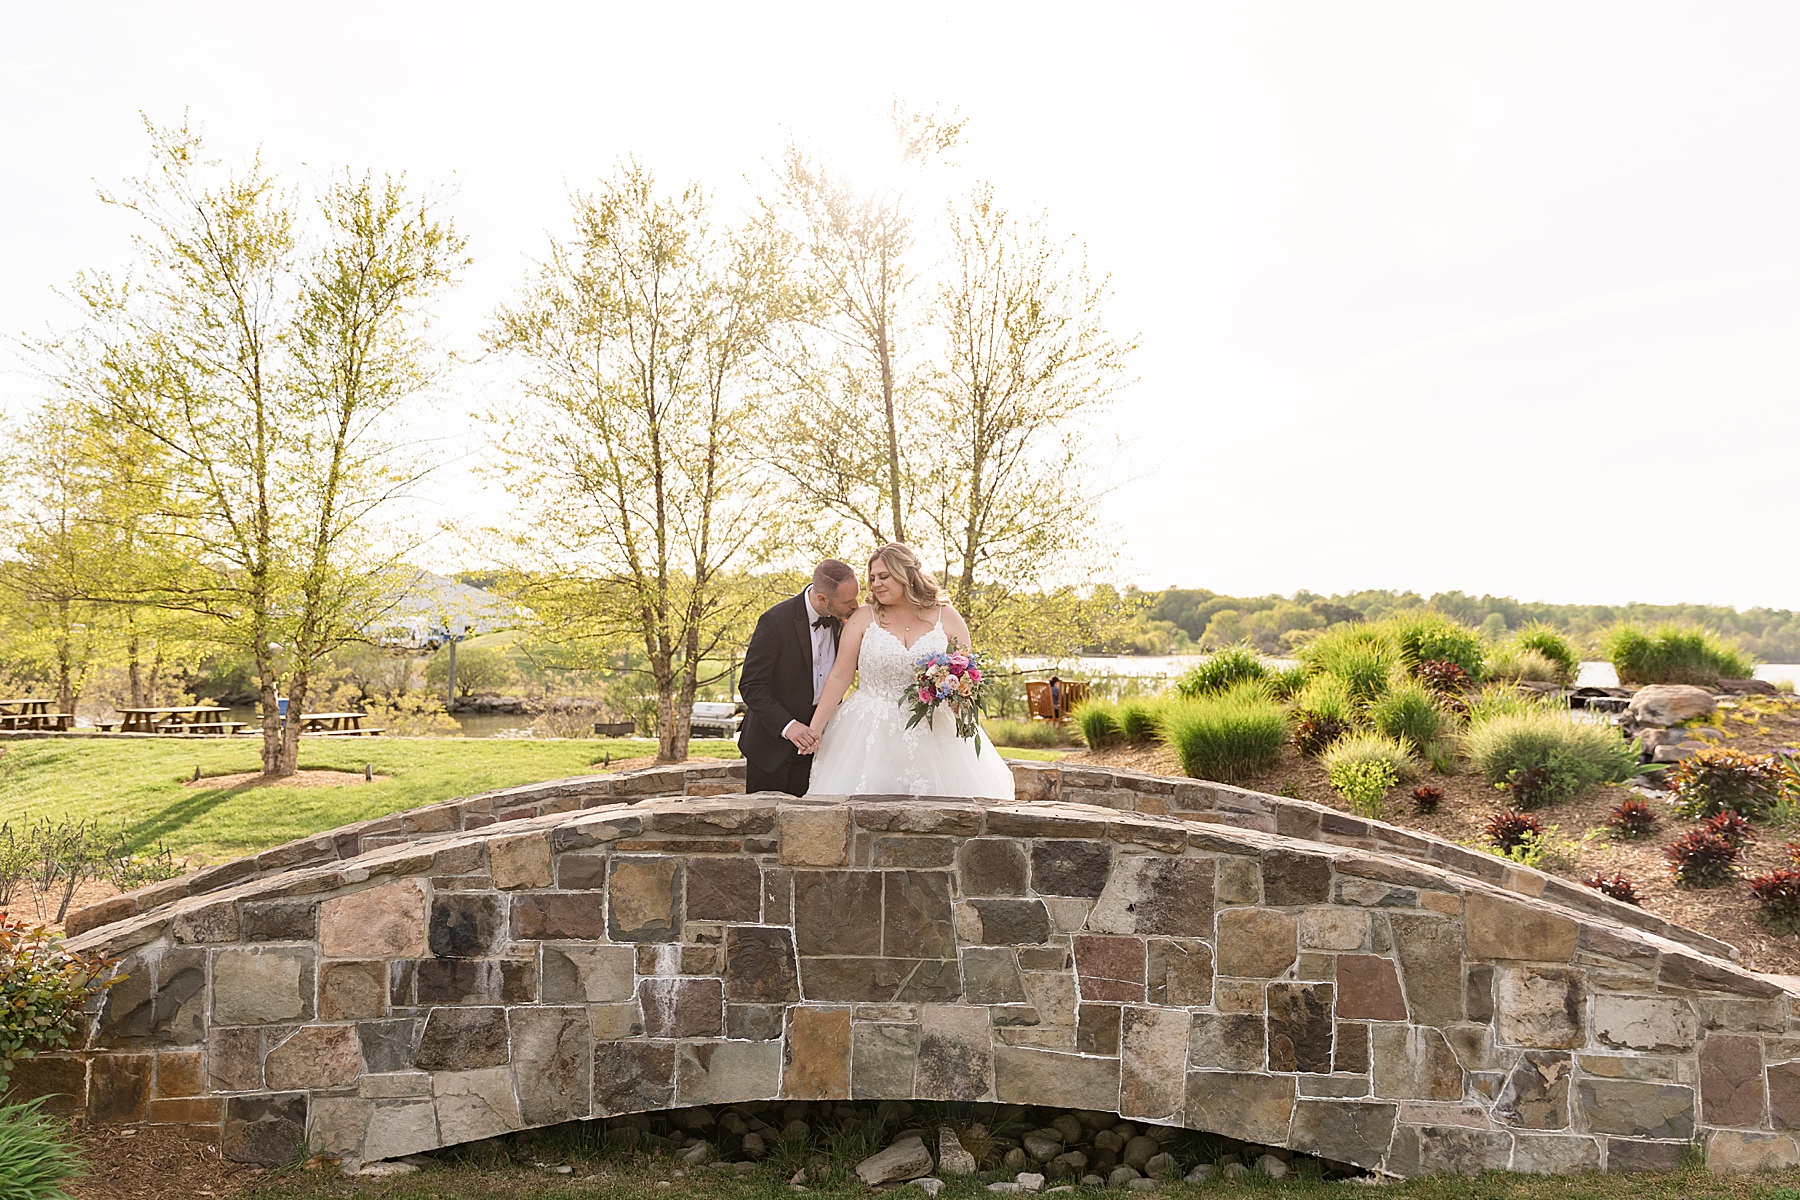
803,737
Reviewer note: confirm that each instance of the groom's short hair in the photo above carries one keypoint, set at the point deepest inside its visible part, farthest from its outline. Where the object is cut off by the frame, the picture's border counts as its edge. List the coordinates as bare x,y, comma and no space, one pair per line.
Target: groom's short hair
831,575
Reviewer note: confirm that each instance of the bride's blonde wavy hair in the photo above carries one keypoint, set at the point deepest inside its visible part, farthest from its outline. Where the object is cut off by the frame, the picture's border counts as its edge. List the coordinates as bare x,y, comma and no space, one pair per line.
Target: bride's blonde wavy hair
921,589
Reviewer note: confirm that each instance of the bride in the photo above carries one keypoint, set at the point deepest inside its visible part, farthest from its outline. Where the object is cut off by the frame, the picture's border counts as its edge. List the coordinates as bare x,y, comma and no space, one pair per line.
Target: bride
865,747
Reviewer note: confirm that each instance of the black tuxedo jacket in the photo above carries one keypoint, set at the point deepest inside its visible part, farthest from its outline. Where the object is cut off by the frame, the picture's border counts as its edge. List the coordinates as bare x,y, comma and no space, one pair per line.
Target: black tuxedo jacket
777,682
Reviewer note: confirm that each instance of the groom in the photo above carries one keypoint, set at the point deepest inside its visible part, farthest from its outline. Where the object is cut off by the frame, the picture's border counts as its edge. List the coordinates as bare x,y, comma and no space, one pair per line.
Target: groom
790,655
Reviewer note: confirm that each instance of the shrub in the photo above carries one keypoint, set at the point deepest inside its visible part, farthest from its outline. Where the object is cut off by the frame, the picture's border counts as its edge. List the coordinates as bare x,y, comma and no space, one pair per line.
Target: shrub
1719,779
43,986
1673,654
1098,722
1422,635
1361,657
1227,736
1551,645
1777,896
1366,746
1509,831
1632,819
1732,827
1288,682
1566,755
1312,733
1221,671
1614,885
1792,850
1702,858
1426,798
1140,718
1519,666
1445,679
1407,714
34,1159
1364,782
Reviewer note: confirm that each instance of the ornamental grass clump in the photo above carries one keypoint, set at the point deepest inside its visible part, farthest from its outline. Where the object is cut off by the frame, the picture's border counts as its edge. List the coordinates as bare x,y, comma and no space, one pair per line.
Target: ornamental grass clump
1616,886
1288,682
1552,646
1368,746
1323,712
1361,657
1408,713
1777,896
35,1160
1140,718
1228,736
1542,756
1703,857
1631,820
1098,721
1673,654
1718,779
1513,665
1221,671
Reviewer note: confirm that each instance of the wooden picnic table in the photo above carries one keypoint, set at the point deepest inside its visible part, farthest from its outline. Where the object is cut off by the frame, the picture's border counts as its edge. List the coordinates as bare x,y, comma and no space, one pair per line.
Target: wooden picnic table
336,724
189,718
32,713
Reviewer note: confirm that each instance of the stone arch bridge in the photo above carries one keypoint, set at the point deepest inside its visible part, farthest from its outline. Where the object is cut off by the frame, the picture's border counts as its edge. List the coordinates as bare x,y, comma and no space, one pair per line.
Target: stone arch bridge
1178,952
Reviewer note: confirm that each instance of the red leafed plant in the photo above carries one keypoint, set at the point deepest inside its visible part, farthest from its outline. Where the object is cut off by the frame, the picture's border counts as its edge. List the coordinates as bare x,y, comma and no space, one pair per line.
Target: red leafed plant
1703,857
1508,831
1426,797
1443,677
1777,895
1614,885
1732,827
1632,819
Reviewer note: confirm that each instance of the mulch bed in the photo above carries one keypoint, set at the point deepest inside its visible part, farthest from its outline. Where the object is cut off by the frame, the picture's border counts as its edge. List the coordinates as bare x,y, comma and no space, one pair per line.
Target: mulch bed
155,1164
1755,725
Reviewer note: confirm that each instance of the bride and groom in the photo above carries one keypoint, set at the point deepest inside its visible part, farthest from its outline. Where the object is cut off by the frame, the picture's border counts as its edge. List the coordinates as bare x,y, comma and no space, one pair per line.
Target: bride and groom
803,737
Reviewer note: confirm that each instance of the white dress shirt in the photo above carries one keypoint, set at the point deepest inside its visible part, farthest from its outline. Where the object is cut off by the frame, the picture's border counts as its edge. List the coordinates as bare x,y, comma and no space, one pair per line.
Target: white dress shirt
824,651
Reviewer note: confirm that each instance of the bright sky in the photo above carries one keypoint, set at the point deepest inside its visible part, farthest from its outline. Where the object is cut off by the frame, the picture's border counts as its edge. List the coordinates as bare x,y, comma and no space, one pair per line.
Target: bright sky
1494,297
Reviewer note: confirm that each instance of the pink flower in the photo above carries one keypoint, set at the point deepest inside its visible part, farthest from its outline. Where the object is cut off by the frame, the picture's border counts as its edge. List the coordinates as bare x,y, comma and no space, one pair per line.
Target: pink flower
975,674
958,662
926,695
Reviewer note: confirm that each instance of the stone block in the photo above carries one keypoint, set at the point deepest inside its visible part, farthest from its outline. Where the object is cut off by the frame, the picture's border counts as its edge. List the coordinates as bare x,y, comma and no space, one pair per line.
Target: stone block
384,921
682,1008
1430,952
814,836
1731,1081
916,920
724,889
955,1057
587,974
726,1072
581,872
613,1022
817,1062
1002,922
1636,1110
643,900
552,1064
388,1045
353,991
118,1091
1070,867
1357,1132
1027,1075
1256,943
520,862
759,965
1542,1007
1110,968
991,975
1251,1108
472,1105
463,1039
551,915
1414,1062
633,1077
1448,1150
879,980
1536,1092
1784,1095
476,981
1153,1060
211,924
1300,1027
338,1126
883,1059
467,924
1097,1029
837,912
1369,989
1294,877
315,1056
1645,1023
1351,1053
178,1073
1500,929
280,921
1731,1152
917,852
234,1060
1180,972
1227,1042
1334,929
1629,1156
1154,895
400,1128
1239,880
992,867
267,1131
1554,1154
264,985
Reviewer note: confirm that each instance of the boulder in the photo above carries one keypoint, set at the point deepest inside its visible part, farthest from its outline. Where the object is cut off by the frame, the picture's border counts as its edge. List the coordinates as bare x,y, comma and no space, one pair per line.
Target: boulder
1661,705
953,1158
906,1159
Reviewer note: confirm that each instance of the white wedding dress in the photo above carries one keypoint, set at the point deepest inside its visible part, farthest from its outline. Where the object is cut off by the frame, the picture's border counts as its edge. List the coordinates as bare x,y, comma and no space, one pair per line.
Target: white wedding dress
867,750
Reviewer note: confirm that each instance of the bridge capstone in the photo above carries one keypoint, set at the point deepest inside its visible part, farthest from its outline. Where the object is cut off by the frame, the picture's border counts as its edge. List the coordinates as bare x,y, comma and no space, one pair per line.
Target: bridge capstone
621,953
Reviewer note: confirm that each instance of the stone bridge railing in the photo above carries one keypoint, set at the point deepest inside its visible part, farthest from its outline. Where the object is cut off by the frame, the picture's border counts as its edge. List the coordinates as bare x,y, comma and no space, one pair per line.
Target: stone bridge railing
1348,1001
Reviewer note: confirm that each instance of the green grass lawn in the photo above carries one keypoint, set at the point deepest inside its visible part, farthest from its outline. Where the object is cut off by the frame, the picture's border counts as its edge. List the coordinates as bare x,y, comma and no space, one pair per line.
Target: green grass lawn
145,784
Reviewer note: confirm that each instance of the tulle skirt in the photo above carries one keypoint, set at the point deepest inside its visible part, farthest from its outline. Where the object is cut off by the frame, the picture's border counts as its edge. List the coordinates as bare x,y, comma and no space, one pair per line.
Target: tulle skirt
868,751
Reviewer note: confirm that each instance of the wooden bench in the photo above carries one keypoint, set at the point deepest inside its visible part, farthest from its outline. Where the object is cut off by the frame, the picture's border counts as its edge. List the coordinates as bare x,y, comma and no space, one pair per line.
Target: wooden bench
1047,704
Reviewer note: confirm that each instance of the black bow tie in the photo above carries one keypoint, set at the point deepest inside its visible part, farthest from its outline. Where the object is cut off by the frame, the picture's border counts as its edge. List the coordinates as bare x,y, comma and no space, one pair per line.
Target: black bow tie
832,623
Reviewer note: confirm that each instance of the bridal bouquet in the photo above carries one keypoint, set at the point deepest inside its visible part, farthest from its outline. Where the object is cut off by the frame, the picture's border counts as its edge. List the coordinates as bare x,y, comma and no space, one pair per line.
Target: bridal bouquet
949,680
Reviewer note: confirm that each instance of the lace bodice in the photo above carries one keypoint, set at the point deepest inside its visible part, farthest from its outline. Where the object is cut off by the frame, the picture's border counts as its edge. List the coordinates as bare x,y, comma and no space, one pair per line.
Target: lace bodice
884,666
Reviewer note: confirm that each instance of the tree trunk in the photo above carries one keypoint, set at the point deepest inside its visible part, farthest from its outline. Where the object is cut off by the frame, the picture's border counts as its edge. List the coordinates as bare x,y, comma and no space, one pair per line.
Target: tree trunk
290,737
887,394
134,676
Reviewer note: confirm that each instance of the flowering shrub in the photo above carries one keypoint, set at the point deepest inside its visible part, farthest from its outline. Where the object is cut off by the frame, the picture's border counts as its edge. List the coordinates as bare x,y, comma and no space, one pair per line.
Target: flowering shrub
1632,819
43,984
1703,857
1719,778
1508,831
1777,895
1614,885
1426,797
